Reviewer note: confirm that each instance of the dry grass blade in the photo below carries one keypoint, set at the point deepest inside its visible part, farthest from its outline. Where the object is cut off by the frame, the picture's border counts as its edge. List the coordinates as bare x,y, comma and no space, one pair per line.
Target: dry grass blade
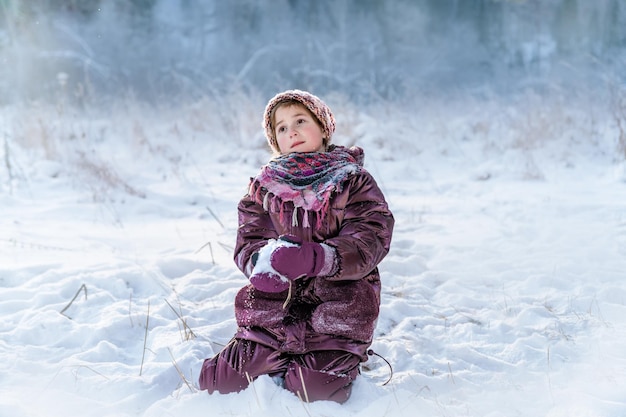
548,375
227,248
304,403
288,295
180,373
91,369
145,339
251,383
450,373
306,394
82,288
210,250
215,217
7,160
130,303
103,173
189,334
37,246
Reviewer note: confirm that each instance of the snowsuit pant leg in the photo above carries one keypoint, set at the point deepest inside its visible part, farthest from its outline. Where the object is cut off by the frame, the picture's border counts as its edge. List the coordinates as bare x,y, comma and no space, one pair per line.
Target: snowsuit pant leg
240,362
323,375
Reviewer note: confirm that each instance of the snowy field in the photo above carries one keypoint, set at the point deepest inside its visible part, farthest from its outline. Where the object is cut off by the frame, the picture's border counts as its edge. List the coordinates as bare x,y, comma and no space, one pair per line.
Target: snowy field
504,293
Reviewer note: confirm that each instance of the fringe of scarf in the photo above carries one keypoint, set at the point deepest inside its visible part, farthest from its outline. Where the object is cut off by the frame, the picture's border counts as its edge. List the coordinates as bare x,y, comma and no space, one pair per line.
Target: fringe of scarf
305,179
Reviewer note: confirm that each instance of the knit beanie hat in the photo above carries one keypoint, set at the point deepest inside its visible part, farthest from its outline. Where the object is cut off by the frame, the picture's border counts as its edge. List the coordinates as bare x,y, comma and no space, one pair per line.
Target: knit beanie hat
313,103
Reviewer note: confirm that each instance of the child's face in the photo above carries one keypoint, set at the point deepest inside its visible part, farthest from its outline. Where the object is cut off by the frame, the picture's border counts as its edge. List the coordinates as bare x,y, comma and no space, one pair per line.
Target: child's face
297,130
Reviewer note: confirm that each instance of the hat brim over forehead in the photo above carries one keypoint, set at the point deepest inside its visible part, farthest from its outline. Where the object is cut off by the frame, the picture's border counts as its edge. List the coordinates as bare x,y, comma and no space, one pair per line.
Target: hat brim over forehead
313,103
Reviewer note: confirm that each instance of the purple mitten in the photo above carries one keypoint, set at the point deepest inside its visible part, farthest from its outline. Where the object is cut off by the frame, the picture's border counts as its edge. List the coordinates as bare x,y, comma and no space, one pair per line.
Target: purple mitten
268,282
264,277
302,259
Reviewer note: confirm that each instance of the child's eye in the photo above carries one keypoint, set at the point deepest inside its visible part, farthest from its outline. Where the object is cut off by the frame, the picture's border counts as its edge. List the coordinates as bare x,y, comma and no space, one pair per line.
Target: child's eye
300,121
281,129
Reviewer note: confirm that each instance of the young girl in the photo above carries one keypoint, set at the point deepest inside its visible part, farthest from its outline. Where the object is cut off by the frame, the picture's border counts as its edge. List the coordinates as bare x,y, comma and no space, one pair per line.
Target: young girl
312,229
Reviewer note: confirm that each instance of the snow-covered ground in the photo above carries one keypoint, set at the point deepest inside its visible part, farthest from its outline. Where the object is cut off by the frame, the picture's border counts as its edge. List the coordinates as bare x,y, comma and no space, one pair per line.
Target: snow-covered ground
504,291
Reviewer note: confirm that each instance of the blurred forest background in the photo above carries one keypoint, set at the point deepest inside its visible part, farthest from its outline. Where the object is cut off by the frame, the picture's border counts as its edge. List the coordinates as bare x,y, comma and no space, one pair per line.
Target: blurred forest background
90,51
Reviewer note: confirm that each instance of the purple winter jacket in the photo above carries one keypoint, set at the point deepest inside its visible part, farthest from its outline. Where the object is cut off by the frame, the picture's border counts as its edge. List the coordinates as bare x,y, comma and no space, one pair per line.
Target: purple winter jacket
324,312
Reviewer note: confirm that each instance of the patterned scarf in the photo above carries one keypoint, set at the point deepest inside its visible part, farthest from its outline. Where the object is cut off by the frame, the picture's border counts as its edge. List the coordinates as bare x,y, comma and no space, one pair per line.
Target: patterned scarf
306,179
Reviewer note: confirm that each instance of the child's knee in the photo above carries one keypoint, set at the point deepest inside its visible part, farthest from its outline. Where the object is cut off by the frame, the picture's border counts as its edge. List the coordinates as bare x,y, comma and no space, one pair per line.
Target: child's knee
313,385
218,375
240,362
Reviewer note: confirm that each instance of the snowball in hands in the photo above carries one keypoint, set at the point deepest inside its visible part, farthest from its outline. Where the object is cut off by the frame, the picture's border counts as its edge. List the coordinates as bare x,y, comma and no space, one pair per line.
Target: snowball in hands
264,277
303,259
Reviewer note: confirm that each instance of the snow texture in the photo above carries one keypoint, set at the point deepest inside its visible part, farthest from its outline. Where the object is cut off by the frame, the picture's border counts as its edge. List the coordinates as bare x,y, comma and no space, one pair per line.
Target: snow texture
503,292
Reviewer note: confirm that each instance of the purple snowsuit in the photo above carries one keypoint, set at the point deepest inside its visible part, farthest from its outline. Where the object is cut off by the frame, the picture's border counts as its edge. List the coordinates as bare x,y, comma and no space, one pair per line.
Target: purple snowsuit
317,340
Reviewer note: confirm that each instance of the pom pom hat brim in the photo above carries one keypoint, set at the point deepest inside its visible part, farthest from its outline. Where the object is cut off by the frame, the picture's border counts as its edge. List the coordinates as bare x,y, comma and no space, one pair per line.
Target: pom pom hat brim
313,103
